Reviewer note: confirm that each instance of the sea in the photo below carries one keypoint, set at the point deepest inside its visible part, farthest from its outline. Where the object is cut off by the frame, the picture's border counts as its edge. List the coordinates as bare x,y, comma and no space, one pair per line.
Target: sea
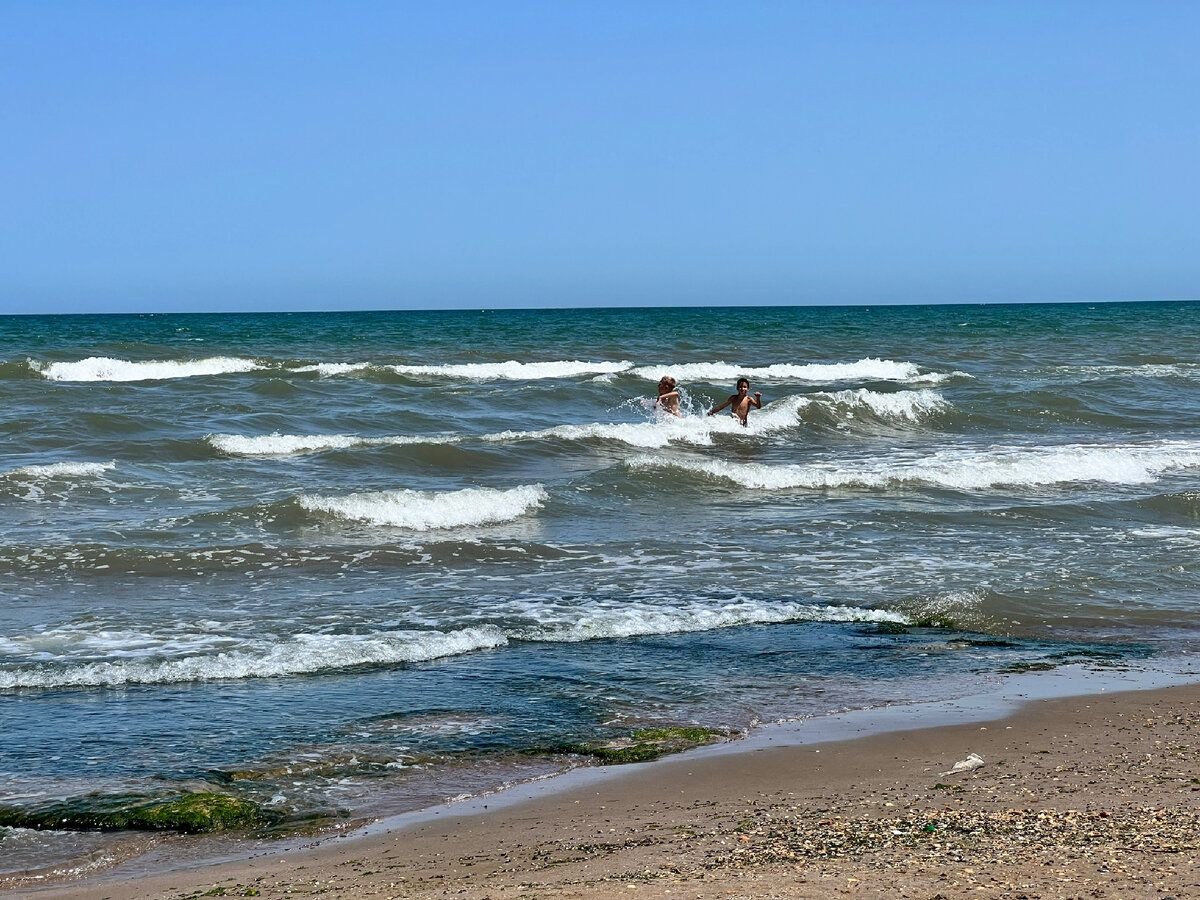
344,565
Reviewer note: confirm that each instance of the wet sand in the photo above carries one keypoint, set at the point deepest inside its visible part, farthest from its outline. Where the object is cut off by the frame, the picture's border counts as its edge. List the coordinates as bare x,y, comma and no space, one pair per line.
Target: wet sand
1095,796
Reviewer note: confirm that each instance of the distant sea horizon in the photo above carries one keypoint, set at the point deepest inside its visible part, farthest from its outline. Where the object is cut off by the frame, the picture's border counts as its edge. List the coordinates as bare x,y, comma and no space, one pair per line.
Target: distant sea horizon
465,307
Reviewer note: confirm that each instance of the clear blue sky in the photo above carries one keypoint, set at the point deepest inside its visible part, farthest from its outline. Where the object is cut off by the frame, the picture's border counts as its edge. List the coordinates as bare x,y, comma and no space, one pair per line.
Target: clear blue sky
293,155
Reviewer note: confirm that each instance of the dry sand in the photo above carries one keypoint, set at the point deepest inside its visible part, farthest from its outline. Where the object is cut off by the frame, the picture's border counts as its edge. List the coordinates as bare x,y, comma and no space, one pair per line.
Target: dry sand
1085,797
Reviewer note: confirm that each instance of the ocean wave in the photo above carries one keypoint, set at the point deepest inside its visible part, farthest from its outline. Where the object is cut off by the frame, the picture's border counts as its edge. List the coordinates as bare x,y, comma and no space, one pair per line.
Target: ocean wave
1146,370
18,369
647,435
515,371
59,470
900,406
205,656
956,469
659,432
870,368
631,620
103,368
277,444
326,369
510,370
780,415
425,510
298,655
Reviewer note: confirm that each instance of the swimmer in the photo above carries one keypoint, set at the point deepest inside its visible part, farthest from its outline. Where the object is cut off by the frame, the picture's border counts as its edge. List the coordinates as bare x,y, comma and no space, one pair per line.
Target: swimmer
741,403
668,396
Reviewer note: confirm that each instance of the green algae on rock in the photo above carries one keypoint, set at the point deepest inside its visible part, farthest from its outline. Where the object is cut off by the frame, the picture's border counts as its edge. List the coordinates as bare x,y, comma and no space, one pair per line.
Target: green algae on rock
641,745
190,813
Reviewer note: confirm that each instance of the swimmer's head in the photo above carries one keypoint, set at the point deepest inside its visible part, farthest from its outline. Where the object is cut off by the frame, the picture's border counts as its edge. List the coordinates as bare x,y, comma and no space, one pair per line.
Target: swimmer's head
743,384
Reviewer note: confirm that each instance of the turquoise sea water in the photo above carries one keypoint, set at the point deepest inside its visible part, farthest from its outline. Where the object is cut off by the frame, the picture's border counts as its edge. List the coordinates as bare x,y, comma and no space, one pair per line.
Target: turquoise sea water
373,558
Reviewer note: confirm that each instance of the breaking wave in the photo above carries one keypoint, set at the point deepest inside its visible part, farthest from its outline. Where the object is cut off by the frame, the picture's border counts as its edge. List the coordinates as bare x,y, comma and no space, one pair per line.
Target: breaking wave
103,368
290,444
333,368
59,470
871,368
425,510
644,619
782,414
901,406
205,657
100,368
515,371
1147,370
956,469
301,654
511,370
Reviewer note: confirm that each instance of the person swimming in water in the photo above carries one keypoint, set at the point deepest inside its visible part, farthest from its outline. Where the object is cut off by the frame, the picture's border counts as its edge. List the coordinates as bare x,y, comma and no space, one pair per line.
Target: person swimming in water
668,396
740,403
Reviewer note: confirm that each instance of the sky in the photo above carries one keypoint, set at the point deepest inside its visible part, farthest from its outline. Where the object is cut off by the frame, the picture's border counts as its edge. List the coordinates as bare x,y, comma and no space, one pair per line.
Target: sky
216,155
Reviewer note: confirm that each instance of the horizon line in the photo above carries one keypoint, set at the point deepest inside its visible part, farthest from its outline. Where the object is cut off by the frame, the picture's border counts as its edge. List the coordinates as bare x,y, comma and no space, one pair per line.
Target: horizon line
551,308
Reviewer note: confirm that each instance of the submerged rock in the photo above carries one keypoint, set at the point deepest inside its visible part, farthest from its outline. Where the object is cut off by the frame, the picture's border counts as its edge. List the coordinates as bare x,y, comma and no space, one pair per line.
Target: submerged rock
641,745
189,813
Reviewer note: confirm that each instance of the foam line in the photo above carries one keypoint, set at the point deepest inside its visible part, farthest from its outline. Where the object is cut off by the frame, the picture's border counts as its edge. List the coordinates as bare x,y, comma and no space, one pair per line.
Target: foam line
103,368
59,470
957,468
871,368
425,510
204,657
277,444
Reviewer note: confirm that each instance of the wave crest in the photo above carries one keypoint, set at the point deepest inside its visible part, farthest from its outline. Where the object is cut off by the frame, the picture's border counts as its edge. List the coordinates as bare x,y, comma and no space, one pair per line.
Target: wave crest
633,620
277,444
956,469
870,368
103,368
301,654
59,470
425,510
147,659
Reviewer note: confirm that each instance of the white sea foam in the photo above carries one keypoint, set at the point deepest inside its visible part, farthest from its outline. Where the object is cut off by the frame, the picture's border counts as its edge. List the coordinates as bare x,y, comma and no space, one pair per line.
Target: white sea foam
1147,370
511,370
648,435
956,468
333,368
261,659
869,368
277,444
911,406
775,416
59,470
515,371
141,658
631,619
102,368
424,510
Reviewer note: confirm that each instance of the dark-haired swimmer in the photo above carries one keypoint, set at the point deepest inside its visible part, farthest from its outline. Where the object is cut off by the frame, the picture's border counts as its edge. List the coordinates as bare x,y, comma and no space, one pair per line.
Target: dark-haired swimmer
741,403
668,397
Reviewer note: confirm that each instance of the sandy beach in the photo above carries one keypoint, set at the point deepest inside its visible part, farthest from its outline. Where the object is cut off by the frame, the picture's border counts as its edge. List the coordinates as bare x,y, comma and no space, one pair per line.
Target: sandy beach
1095,796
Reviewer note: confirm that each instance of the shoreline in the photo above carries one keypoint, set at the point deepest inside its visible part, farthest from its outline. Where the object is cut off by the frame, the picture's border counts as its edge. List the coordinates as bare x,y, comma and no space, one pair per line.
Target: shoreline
728,782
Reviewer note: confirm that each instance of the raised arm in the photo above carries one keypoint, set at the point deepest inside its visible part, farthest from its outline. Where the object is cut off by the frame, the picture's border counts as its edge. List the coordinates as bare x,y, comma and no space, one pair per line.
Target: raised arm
717,409
758,400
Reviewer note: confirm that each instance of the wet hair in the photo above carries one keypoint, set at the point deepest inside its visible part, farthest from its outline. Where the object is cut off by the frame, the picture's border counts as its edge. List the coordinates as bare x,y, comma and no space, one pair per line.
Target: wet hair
745,381
666,381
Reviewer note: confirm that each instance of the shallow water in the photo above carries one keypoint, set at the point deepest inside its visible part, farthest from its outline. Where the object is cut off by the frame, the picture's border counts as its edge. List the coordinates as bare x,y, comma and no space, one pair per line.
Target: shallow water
373,557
